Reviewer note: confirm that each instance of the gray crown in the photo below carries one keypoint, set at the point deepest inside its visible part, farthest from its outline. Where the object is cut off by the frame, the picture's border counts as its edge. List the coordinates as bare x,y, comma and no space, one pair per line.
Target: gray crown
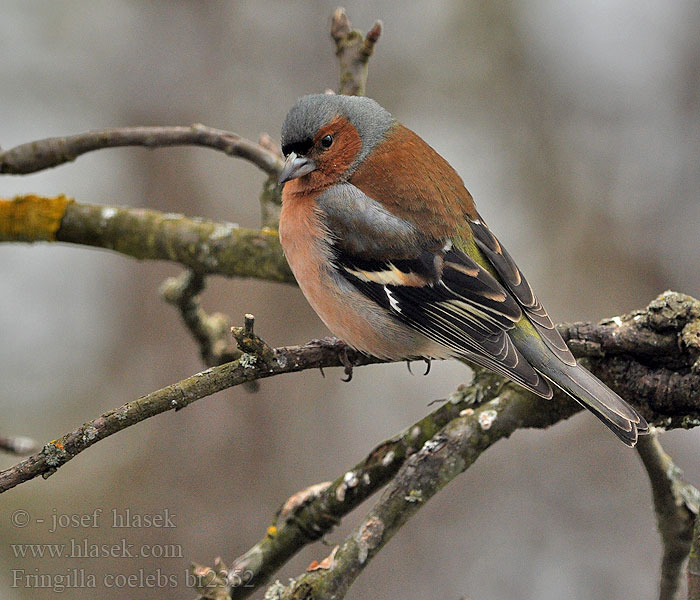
310,113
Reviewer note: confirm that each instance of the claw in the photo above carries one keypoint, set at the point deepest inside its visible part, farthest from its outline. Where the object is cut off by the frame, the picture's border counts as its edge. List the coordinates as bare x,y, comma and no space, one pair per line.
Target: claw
322,373
428,364
346,364
408,364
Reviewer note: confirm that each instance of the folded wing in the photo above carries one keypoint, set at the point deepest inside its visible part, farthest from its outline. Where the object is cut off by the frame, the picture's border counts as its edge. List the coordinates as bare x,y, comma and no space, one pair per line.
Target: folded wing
448,297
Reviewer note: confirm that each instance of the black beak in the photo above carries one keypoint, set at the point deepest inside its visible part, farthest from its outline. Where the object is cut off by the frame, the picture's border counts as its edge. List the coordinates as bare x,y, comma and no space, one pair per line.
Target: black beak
296,166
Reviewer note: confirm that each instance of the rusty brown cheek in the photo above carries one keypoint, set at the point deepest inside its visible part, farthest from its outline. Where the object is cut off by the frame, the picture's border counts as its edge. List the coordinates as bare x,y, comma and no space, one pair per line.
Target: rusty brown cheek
415,183
332,163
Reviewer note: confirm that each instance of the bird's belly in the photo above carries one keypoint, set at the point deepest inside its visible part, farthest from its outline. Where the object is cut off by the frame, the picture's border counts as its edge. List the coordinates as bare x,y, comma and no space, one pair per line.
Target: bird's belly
361,323
348,314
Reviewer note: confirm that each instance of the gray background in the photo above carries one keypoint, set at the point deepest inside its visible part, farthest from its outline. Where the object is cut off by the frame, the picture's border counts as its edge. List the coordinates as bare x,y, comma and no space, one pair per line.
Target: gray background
575,125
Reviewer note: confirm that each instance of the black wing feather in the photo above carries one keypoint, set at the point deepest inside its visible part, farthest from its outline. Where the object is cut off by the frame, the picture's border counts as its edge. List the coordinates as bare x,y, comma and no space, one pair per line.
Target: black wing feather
461,306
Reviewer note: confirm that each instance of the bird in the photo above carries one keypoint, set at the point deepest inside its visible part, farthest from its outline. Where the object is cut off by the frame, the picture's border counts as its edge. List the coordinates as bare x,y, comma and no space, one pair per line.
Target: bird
386,244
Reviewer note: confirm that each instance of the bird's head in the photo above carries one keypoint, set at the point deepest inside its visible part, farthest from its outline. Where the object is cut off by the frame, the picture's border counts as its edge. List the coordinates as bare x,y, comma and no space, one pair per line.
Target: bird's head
325,137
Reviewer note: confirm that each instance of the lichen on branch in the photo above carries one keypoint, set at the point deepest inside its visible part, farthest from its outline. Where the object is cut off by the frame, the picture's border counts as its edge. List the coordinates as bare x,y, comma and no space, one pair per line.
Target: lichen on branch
205,246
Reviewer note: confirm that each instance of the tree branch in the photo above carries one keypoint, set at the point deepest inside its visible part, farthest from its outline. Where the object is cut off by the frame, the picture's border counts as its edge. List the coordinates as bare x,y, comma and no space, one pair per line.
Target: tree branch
676,504
271,194
650,356
306,517
204,246
249,367
51,152
654,335
353,51
665,323
451,451
211,332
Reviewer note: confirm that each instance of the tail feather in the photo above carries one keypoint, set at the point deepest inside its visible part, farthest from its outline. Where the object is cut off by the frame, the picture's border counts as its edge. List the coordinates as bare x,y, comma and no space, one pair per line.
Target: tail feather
584,387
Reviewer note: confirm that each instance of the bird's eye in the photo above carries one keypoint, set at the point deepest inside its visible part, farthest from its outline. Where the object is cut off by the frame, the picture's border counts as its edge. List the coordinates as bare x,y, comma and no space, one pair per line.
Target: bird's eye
326,141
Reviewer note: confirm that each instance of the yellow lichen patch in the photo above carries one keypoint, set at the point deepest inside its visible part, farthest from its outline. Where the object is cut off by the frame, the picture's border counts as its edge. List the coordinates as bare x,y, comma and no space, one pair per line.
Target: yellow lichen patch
272,531
32,218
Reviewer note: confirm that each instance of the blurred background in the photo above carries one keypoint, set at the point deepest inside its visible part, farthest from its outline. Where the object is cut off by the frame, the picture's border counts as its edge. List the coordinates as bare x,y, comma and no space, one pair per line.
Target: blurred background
574,124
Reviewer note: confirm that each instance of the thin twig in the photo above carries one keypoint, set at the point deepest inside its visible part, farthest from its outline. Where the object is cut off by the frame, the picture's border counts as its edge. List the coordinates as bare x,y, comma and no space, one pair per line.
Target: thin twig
270,204
266,141
211,332
51,152
353,51
271,193
676,504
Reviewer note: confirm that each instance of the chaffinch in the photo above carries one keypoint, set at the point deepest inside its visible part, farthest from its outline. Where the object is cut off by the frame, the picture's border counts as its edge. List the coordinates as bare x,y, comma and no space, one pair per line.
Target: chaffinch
388,248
